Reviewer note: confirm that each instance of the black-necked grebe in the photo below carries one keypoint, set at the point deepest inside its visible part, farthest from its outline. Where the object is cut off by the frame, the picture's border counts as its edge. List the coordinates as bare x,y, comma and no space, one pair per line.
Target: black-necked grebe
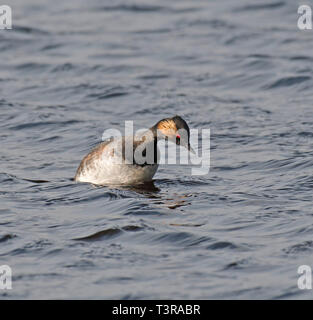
111,163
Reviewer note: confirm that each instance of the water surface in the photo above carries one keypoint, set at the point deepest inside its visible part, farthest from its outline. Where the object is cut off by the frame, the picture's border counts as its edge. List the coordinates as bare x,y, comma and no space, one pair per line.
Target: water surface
71,69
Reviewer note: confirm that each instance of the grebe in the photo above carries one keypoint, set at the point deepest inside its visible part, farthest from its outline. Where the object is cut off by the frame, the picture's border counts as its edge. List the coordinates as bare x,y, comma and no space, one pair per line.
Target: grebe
134,159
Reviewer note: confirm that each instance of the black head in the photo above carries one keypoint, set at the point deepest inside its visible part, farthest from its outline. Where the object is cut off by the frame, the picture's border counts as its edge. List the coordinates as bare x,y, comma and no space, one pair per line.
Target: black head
176,129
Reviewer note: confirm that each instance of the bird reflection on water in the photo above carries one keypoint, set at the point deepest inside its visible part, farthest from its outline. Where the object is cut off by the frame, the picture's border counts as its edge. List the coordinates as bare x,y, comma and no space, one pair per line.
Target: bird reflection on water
154,193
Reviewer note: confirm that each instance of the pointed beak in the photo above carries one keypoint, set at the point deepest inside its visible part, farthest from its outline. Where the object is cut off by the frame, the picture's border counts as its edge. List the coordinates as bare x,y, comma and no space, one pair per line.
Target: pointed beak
184,143
190,149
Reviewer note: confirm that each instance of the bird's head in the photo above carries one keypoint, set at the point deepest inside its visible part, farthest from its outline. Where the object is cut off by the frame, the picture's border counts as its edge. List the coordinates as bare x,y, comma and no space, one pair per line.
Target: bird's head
176,130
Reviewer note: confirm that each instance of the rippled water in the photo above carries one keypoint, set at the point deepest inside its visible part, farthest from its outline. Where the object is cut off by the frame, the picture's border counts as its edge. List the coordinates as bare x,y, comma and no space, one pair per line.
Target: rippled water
71,69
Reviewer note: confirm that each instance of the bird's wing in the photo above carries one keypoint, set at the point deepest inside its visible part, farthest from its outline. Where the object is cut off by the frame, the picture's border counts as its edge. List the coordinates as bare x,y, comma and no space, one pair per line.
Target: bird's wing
93,155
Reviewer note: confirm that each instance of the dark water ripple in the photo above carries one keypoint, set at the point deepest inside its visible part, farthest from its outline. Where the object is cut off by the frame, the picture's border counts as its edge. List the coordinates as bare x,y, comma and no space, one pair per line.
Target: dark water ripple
262,6
242,69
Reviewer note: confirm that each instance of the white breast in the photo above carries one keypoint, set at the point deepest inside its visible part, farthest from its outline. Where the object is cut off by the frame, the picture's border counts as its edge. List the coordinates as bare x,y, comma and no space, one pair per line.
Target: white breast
106,167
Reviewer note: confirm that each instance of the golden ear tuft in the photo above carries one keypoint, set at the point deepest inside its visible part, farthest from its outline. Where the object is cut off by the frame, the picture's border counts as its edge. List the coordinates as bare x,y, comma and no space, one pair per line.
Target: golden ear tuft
167,125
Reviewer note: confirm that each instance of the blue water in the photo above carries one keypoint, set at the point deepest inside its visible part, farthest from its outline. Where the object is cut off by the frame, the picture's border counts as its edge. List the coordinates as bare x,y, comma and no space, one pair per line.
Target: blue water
71,69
